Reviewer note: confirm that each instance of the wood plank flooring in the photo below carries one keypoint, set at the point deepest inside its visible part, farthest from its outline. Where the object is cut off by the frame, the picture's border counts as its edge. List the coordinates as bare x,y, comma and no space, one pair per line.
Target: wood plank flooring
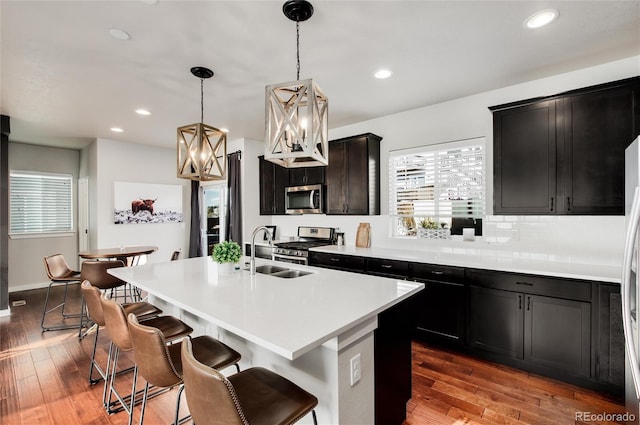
43,380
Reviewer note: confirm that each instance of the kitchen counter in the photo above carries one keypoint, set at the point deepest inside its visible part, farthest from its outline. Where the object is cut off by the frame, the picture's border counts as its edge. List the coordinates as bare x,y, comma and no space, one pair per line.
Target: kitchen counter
480,260
308,328
269,310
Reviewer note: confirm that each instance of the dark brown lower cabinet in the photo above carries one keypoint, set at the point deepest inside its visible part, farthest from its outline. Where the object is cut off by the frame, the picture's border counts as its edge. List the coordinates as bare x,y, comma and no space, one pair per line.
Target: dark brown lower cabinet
392,345
610,344
546,332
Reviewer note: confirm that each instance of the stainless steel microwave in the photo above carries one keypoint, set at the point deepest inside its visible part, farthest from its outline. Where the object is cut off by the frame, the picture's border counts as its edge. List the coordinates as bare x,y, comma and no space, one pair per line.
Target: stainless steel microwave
304,199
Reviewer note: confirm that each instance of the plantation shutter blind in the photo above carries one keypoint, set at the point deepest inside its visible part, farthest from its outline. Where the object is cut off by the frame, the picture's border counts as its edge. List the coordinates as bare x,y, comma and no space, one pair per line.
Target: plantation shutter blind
441,182
40,203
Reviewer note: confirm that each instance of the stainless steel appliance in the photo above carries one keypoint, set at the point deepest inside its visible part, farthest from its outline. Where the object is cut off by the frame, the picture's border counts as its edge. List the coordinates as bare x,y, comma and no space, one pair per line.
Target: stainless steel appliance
304,199
298,251
630,282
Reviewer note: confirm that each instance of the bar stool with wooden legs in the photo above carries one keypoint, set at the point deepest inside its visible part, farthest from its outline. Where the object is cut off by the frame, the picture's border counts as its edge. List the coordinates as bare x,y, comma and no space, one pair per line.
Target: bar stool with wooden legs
91,295
160,364
59,273
118,330
254,396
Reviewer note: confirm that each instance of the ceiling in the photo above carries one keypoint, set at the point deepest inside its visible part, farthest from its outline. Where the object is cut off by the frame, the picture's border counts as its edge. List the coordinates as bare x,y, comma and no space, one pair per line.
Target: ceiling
65,81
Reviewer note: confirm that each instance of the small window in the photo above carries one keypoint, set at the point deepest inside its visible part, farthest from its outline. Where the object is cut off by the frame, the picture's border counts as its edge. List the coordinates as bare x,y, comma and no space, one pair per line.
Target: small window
40,203
442,185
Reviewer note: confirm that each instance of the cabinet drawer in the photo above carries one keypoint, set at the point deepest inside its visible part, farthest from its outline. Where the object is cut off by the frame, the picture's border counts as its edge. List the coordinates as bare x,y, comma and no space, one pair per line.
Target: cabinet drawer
530,284
423,272
395,268
337,261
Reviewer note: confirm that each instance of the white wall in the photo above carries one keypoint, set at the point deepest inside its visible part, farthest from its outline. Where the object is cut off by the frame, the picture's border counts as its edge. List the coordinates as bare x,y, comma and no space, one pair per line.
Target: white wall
110,161
26,267
466,118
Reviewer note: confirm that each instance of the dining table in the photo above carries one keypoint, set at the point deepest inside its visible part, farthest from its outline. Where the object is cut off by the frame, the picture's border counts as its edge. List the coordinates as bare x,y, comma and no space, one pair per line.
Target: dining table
130,254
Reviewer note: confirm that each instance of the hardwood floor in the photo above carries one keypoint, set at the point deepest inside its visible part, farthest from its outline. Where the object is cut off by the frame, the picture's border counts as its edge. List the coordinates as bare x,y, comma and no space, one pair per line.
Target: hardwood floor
43,380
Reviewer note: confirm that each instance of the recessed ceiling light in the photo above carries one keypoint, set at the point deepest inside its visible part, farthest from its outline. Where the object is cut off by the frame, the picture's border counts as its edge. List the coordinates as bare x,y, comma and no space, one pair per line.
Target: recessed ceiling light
142,112
119,34
541,18
117,129
382,74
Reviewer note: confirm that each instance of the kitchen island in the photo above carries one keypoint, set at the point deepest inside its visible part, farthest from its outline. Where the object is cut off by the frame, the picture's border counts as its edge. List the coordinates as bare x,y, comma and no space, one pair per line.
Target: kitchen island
309,328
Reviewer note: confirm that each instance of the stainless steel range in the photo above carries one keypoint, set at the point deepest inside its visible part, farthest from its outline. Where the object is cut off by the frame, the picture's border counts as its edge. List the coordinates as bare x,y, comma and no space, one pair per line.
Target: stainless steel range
298,251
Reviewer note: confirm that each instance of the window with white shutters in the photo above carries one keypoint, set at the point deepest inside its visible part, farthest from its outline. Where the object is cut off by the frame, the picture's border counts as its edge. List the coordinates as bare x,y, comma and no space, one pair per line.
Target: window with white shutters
40,203
436,183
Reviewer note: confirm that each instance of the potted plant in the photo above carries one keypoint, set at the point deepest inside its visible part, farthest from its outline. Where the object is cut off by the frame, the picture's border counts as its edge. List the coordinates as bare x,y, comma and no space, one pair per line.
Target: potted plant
226,254
431,229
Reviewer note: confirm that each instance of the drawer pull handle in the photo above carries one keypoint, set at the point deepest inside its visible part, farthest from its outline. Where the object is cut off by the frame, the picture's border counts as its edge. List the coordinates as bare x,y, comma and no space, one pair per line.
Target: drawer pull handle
386,266
519,302
334,259
438,272
524,283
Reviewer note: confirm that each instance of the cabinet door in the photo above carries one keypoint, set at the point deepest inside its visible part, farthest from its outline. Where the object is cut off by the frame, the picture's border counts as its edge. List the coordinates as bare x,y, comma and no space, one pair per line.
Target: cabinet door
336,203
440,314
598,128
525,159
356,185
273,180
496,321
558,334
306,176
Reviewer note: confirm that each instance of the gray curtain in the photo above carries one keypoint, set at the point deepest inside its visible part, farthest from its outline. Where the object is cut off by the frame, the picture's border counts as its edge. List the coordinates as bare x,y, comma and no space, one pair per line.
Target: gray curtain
234,204
195,238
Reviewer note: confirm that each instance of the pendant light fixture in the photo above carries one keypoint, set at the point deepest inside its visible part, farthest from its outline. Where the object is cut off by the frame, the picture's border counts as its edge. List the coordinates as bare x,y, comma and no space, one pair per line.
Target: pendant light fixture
202,149
296,112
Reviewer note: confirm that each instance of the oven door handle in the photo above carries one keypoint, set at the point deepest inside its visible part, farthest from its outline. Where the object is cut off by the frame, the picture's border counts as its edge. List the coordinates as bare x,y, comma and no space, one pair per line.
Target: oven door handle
275,257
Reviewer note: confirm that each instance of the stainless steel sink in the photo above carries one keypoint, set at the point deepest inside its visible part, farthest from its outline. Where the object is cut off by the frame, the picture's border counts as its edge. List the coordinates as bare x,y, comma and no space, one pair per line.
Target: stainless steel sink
269,269
278,271
290,274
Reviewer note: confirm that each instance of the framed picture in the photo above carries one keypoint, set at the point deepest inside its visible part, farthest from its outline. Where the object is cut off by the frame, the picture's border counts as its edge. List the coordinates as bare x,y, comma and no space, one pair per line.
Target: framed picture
136,203
272,231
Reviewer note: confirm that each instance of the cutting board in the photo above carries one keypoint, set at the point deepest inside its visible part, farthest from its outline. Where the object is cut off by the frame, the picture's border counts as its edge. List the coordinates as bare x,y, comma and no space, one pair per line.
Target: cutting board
363,235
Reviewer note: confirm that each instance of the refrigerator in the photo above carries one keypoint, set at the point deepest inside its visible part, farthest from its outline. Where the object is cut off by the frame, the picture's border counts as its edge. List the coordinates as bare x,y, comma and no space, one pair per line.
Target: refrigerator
630,282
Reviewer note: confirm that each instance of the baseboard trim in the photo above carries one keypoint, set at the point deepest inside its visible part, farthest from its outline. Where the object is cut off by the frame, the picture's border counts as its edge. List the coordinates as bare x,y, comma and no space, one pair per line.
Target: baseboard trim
6,312
28,287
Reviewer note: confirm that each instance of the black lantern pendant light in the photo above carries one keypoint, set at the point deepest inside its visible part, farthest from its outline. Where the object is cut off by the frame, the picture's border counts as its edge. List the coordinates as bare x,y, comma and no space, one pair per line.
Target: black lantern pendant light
296,112
202,149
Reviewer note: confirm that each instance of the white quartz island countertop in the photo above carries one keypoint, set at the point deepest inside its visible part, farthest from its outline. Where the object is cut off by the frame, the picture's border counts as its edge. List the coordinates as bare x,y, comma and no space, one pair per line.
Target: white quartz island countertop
287,316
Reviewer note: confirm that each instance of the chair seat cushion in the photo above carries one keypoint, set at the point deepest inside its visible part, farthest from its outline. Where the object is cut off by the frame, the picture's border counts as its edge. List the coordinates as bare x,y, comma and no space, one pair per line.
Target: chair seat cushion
208,351
268,398
171,327
142,310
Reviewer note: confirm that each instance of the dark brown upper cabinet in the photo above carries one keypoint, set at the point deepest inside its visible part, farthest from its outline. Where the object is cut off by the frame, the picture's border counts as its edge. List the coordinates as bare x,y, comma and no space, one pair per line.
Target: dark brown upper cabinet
306,175
353,175
564,154
273,181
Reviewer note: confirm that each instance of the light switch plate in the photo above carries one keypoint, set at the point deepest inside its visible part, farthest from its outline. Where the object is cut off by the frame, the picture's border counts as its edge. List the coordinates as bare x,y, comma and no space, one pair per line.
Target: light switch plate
356,369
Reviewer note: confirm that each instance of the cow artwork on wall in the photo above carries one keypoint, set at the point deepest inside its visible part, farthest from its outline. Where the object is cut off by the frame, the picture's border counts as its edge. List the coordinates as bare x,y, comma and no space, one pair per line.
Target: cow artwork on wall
136,203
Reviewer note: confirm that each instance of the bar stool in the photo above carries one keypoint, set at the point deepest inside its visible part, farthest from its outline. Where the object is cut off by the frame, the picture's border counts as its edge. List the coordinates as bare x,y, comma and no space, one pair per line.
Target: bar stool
116,324
91,299
254,396
59,273
160,364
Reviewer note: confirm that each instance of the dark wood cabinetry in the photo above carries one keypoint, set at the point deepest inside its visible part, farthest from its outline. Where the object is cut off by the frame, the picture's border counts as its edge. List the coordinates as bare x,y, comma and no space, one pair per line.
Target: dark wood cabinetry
610,344
388,268
306,175
564,154
353,175
508,317
273,181
347,263
440,314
